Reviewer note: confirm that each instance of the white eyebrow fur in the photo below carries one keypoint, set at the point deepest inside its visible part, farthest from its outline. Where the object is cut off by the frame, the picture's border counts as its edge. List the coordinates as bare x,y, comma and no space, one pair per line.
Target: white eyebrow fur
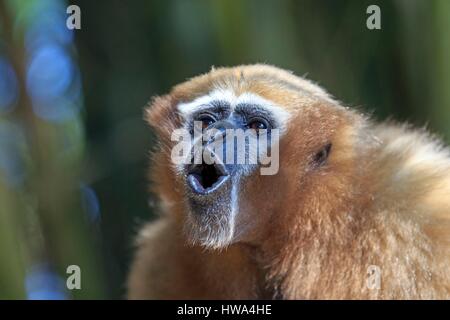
186,109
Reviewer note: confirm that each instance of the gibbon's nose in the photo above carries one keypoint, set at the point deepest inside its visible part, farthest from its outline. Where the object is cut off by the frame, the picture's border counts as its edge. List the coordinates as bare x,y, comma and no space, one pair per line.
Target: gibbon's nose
220,130
222,134
213,172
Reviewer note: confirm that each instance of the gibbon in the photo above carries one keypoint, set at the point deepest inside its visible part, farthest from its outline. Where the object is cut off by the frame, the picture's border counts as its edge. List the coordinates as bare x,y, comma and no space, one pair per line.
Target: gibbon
356,210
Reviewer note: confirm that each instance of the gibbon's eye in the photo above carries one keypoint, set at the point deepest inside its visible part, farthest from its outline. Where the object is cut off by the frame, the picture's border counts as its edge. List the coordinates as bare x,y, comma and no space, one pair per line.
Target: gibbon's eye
322,155
206,119
258,124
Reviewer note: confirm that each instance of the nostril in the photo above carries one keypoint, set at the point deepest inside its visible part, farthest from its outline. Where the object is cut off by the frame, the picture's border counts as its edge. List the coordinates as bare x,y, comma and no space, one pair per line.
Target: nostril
216,135
218,131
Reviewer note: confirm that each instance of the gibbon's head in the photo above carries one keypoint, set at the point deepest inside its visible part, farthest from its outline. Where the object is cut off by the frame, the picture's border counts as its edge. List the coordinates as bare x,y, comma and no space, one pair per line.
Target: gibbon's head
219,192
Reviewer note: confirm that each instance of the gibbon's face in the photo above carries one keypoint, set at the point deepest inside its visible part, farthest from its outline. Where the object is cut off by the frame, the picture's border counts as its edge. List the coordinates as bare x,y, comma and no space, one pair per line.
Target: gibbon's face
258,139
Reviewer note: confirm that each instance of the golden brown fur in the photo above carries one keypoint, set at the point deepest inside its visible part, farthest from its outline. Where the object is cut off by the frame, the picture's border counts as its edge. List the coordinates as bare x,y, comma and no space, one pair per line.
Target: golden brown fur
382,199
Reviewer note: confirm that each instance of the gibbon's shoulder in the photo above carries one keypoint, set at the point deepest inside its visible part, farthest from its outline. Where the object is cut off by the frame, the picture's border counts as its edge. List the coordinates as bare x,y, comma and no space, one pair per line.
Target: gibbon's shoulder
154,244
411,172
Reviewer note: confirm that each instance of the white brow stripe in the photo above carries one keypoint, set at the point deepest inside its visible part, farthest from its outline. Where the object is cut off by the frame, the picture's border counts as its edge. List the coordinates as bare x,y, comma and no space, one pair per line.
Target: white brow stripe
187,109
218,95
281,116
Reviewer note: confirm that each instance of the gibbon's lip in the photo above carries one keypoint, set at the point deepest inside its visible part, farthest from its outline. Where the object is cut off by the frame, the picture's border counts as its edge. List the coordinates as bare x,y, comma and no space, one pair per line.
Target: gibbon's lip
207,178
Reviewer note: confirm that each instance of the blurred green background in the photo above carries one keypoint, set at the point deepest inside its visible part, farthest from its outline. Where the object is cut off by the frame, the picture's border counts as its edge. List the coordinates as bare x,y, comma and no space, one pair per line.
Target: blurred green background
74,147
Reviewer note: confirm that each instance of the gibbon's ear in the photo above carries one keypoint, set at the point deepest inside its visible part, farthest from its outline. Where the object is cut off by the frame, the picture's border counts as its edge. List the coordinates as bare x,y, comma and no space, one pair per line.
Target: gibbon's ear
161,114
321,157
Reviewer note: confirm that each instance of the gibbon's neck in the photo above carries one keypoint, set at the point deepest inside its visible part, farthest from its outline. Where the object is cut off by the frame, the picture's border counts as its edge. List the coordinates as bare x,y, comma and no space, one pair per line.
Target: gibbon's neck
300,244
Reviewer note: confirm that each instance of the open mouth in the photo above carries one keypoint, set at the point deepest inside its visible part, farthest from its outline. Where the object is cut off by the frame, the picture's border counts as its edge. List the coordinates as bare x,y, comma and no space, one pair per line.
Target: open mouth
207,178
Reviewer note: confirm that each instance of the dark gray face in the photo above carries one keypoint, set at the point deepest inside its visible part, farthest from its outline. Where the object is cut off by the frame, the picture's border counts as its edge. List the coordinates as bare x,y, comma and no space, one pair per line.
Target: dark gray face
214,178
